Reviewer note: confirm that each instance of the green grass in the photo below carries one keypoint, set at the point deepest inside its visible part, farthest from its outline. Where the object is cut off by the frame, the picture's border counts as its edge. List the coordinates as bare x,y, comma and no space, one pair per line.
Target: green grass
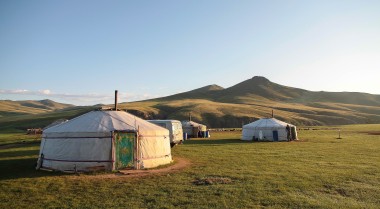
319,171
17,136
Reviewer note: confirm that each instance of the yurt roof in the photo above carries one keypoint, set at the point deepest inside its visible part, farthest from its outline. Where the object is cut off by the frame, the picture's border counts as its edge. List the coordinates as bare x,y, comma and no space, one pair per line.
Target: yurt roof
191,123
59,121
267,122
106,122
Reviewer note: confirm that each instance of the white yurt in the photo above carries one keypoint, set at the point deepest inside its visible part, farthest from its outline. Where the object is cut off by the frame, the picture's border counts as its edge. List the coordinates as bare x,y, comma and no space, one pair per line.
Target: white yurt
193,129
268,129
104,140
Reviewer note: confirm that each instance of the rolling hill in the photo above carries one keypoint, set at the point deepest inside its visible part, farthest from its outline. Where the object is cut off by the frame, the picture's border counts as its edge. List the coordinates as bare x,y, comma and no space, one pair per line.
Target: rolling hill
219,107
13,108
21,115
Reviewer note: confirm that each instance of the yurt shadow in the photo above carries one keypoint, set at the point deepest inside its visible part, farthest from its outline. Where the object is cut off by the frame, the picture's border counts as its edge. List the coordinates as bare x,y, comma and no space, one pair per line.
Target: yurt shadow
23,168
19,153
20,163
7,148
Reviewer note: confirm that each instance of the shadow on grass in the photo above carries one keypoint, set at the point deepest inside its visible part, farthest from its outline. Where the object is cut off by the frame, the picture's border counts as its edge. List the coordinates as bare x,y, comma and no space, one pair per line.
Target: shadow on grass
18,163
18,153
23,168
20,150
19,145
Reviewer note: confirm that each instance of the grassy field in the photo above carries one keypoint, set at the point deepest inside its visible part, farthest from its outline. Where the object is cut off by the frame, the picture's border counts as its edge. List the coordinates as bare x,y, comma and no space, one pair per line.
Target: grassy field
319,171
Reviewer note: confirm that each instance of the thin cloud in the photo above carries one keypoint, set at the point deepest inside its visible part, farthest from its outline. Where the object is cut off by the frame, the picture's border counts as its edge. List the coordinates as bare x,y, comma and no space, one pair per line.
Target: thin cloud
45,92
87,99
19,91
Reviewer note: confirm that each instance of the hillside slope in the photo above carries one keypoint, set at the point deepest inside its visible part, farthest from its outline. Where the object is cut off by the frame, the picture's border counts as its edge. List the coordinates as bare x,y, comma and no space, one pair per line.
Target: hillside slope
13,108
205,92
219,107
256,98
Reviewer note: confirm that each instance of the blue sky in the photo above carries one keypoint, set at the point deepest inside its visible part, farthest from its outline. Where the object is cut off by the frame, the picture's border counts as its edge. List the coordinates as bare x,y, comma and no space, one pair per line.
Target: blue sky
79,52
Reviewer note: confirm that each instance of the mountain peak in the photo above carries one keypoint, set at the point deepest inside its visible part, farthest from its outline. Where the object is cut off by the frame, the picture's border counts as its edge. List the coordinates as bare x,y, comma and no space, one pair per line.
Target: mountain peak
214,87
260,80
48,102
208,88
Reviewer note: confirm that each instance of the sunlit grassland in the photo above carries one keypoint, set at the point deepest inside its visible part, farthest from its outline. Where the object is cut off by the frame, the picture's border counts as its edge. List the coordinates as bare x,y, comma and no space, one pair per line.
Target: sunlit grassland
14,108
318,171
220,114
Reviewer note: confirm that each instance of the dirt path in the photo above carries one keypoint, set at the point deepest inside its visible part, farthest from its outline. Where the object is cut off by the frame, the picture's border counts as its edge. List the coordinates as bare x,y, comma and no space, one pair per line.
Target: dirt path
179,164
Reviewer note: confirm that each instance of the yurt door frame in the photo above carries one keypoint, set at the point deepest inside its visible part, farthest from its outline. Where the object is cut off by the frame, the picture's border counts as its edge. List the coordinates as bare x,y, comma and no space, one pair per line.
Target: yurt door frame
124,149
275,135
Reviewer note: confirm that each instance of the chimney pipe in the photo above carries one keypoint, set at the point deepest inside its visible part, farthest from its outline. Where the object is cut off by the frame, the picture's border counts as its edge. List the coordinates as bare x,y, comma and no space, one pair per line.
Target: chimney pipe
189,116
115,100
272,114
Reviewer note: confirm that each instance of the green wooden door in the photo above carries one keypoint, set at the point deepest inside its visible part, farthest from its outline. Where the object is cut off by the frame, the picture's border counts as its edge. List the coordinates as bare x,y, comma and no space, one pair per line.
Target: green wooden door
124,149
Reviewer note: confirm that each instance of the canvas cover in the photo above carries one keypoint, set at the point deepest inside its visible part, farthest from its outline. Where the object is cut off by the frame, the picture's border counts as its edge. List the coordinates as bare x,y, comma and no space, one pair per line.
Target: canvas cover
265,129
86,142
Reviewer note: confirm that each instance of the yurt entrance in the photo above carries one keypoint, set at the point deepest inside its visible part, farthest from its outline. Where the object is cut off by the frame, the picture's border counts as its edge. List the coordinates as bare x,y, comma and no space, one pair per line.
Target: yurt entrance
275,136
124,150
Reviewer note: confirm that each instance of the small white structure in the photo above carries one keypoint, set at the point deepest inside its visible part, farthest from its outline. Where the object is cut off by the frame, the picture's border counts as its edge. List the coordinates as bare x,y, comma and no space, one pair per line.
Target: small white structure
104,140
174,127
268,129
193,129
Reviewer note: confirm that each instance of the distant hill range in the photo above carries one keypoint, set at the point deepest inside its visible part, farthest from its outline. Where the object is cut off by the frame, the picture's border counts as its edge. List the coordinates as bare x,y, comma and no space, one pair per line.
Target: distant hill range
242,103
12,108
35,114
256,98
261,89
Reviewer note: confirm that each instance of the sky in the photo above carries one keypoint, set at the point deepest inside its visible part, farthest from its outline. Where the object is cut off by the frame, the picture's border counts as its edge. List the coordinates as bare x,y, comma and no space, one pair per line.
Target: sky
79,52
